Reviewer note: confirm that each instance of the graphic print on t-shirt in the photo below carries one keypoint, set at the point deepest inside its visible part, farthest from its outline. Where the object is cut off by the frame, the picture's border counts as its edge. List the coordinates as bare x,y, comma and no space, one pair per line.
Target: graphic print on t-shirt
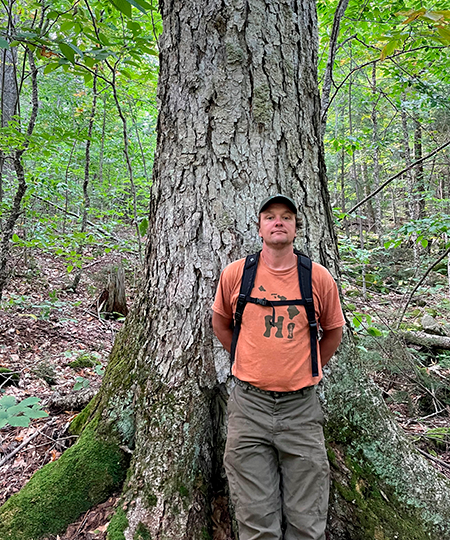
278,324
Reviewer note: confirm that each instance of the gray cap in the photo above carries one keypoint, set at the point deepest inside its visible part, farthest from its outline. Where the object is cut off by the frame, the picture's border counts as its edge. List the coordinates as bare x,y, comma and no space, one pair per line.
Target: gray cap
278,199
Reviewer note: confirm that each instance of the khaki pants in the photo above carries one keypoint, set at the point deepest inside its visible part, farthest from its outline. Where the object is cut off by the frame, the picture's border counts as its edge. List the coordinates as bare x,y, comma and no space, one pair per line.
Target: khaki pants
276,464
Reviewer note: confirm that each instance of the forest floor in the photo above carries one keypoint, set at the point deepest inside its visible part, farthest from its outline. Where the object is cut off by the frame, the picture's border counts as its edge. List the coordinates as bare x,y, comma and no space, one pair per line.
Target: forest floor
44,328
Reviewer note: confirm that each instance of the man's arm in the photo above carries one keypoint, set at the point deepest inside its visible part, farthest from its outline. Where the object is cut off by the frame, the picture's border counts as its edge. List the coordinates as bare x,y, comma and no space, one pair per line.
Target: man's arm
222,327
328,344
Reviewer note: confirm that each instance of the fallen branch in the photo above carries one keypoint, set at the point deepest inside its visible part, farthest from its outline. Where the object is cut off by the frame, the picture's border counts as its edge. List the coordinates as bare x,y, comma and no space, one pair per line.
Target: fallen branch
435,459
69,213
426,340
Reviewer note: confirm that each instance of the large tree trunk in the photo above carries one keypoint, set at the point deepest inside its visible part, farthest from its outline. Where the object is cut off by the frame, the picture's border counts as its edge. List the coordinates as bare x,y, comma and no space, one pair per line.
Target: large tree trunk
239,120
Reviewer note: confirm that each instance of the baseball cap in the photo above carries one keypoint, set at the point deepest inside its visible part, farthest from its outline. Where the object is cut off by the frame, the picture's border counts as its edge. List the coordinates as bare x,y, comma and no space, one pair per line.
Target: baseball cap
278,198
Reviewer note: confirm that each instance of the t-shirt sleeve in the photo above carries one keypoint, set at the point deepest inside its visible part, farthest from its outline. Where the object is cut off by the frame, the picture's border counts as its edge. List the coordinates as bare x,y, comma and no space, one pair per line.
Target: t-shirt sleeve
331,315
222,302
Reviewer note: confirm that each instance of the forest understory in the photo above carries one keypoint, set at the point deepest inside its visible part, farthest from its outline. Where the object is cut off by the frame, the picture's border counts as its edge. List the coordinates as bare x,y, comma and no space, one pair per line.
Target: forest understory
56,345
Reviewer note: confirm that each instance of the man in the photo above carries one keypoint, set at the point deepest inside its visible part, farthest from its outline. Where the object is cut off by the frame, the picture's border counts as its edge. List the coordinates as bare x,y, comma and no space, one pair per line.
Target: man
275,457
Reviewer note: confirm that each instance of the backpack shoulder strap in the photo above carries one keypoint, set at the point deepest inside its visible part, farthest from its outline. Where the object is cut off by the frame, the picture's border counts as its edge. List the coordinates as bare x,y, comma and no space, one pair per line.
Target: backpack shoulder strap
304,265
247,282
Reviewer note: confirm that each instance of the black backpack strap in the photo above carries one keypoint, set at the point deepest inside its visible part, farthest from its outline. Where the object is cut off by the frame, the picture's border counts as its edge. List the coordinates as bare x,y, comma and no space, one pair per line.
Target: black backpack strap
305,280
247,282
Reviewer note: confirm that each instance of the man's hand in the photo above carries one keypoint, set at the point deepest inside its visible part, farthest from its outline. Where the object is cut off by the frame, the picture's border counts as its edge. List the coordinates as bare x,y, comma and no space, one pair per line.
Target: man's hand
328,344
222,327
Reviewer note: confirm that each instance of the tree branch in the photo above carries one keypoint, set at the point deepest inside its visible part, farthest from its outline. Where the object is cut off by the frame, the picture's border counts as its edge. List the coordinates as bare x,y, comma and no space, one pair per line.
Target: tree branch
432,265
406,169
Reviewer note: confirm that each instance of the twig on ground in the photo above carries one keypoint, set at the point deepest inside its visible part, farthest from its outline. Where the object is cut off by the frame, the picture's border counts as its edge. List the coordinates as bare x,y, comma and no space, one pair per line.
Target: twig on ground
25,442
435,459
10,376
431,415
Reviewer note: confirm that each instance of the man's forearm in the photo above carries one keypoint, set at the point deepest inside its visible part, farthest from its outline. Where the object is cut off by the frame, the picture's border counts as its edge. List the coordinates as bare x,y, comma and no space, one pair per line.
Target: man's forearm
222,329
329,344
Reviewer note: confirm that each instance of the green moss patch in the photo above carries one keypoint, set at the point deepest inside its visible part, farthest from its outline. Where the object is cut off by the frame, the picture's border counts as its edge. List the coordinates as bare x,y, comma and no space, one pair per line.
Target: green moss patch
81,420
142,533
62,490
84,360
117,525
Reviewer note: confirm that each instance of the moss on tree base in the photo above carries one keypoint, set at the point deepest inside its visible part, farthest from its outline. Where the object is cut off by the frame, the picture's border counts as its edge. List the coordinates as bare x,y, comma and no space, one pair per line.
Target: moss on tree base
366,509
62,490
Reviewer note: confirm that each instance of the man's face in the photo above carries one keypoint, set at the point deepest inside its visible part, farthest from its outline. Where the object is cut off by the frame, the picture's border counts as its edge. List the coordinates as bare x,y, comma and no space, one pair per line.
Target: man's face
277,225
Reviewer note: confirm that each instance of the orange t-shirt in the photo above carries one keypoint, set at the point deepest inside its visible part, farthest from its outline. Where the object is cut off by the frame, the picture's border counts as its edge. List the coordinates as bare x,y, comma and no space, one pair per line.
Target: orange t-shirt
277,358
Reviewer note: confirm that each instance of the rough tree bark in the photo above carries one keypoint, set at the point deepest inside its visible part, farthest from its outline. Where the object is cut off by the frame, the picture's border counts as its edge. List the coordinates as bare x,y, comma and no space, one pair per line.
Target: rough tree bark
239,120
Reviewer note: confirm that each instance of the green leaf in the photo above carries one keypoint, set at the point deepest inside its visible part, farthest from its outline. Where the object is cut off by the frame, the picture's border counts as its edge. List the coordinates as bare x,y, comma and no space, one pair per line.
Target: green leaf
19,421
67,51
143,226
374,331
51,67
76,49
30,401
126,73
444,32
90,62
7,401
33,413
133,26
66,26
388,48
4,44
123,6
137,5
15,238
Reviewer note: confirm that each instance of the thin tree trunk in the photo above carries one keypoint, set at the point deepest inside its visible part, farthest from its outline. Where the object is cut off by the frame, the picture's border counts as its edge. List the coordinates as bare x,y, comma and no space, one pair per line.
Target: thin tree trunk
9,95
408,161
102,142
343,205
358,193
126,152
376,156
66,198
86,199
371,216
332,50
418,171
16,209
